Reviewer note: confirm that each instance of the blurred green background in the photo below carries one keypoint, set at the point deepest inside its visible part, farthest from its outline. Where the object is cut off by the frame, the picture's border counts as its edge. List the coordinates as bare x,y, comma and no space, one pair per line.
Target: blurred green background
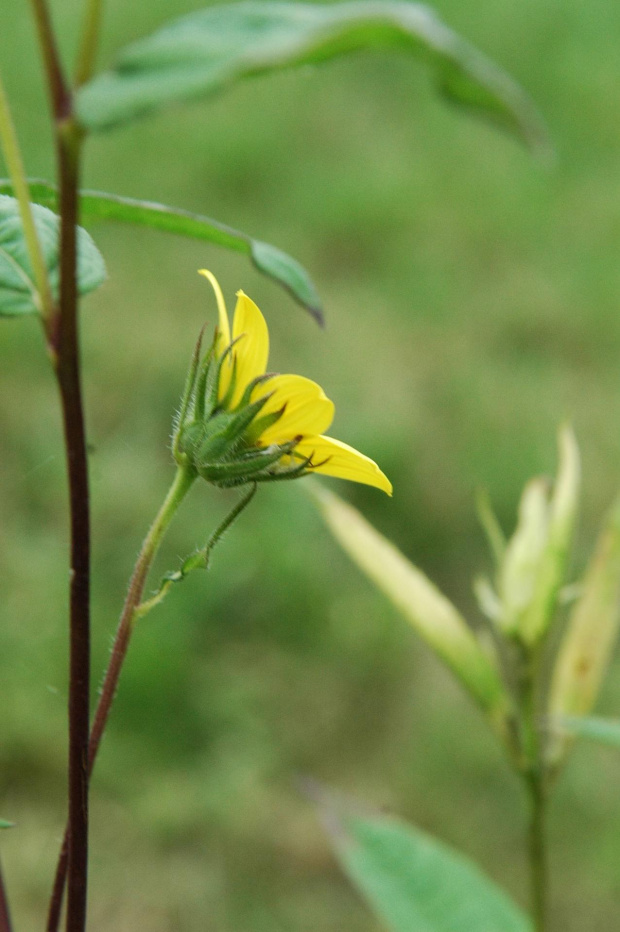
473,303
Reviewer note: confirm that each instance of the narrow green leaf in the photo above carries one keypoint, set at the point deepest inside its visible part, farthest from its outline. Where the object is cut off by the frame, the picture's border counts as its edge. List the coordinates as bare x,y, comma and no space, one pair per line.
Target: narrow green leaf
414,883
536,619
18,291
209,50
97,205
429,612
605,730
590,636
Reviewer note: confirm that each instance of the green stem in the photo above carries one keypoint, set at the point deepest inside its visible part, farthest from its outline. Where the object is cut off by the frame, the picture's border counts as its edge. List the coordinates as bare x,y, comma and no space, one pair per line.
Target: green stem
182,483
15,166
90,40
535,779
537,850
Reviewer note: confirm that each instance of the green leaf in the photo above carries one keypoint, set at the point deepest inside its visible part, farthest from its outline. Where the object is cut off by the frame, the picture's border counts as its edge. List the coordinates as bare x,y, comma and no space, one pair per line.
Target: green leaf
428,611
588,641
210,50
538,615
5,824
414,883
605,730
97,205
18,291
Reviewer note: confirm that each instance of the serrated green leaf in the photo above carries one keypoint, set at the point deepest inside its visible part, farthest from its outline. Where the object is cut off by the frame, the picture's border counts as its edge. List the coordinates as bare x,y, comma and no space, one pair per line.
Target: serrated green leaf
18,291
414,883
428,611
98,205
604,730
210,50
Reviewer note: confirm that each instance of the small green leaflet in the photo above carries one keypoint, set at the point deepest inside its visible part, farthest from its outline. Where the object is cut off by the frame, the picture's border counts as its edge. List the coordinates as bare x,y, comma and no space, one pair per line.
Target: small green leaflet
271,261
211,49
18,292
604,730
414,883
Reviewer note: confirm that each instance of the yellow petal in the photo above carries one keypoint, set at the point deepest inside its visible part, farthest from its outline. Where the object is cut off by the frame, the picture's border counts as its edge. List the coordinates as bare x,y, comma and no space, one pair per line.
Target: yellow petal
223,325
307,410
335,458
252,350
223,339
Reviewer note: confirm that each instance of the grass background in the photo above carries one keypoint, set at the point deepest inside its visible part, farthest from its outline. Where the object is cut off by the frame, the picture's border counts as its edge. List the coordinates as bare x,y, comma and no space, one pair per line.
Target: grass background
472,301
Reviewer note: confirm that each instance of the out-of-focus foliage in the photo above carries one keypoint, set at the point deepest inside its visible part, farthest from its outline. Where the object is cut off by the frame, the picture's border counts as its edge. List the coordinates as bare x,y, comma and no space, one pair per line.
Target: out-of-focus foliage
412,881
98,205
472,304
211,49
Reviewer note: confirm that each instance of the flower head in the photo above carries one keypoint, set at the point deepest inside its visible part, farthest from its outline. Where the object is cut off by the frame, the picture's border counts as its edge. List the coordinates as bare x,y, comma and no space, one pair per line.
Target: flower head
238,423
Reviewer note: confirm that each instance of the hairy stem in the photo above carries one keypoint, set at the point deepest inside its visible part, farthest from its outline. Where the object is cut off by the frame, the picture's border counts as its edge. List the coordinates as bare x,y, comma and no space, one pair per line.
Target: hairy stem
15,166
179,488
5,916
89,41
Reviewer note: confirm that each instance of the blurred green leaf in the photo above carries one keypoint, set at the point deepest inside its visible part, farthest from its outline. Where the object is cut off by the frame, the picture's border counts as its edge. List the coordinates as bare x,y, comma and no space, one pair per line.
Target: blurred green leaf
207,51
536,619
429,612
605,730
416,884
519,569
591,632
5,824
97,205
18,291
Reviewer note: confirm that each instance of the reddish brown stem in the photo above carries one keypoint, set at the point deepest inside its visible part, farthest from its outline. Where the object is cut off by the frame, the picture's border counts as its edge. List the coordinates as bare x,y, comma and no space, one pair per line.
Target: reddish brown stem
68,370
178,490
63,340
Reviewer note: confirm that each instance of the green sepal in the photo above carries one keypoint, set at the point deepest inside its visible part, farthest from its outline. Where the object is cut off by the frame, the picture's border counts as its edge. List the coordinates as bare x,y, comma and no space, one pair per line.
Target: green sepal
187,398
246,468
224,432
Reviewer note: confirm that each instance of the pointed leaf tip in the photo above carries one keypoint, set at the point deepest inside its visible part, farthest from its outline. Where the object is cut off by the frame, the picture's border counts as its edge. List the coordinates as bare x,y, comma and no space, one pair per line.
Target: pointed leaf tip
412,881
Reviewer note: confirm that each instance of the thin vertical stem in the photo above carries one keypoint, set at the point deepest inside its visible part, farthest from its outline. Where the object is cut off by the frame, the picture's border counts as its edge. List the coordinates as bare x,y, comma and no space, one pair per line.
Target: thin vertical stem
57,86
15,166
63,340
535,781
5,916
181,485
537,851
69,381
89,41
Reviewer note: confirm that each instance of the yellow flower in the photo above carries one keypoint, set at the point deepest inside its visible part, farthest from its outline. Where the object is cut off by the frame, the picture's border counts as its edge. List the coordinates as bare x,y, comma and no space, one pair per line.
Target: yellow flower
295,410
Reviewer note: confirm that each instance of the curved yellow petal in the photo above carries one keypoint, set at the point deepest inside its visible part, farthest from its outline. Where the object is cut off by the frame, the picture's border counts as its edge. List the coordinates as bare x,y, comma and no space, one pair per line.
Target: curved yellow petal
252,350
223,324
335,458
223,338
307,410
